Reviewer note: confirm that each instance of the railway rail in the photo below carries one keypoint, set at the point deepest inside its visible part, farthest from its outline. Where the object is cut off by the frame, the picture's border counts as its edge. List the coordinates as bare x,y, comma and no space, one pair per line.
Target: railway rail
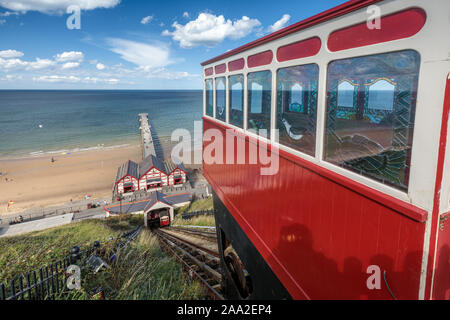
199,261
205,234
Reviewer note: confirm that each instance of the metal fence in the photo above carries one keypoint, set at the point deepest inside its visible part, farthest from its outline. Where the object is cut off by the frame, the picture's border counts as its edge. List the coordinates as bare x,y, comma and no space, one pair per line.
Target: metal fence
190,215
36,214
50,281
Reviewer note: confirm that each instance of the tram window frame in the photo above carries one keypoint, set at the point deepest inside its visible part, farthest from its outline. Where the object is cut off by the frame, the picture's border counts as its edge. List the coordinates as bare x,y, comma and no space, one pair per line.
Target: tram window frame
209,95
260,121
223,116
308,80
378,143
240,122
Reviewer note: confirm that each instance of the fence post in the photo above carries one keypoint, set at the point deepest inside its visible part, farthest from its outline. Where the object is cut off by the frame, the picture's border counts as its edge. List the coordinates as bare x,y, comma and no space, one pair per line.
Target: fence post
29,286
36,291
2,292
13,290
21,287
41,284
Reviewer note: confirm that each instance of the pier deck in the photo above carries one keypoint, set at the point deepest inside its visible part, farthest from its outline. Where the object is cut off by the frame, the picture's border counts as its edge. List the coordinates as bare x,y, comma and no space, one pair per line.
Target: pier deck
147,137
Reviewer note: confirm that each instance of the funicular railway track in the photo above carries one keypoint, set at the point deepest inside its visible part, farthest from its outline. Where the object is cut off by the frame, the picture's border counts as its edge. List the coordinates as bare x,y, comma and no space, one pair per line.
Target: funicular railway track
197,259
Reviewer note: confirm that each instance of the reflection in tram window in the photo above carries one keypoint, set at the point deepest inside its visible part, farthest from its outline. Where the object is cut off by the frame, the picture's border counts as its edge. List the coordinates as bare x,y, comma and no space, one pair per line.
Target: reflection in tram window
209,97
220,98
296,107
259,101
375,137
236,97
347,94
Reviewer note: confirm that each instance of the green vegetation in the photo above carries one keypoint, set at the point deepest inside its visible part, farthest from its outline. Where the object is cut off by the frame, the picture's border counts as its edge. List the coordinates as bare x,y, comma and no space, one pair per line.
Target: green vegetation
208,221
197,205
27,252
142,272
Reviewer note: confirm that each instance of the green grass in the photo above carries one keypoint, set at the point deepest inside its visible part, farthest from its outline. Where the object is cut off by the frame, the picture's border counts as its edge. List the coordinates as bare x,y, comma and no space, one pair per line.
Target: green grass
27,252
197,205
142,272
208,221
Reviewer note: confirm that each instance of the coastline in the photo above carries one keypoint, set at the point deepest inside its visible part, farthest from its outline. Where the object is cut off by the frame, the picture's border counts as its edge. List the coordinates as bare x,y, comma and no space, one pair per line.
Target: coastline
37,182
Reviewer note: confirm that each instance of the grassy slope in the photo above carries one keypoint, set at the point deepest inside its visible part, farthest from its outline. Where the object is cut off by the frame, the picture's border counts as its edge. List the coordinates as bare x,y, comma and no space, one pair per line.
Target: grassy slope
197,205
27,252
142,270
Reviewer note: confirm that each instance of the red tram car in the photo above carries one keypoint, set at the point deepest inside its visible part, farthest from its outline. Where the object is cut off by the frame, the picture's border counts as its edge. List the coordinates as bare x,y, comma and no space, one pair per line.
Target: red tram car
356,114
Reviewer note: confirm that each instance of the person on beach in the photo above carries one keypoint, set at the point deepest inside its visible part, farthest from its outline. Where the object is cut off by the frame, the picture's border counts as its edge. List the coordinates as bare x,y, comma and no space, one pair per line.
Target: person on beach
53,160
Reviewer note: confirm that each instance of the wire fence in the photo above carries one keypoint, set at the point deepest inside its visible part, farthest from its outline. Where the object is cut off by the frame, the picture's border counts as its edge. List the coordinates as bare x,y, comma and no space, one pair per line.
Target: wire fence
50,282
190,215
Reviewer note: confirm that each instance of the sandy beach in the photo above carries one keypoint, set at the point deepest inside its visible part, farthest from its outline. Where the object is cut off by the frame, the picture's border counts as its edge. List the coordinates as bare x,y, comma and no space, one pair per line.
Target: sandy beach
35,182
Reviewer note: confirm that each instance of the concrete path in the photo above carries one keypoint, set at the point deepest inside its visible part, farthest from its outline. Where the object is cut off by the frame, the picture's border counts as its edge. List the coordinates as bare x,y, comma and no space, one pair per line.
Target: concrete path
37,225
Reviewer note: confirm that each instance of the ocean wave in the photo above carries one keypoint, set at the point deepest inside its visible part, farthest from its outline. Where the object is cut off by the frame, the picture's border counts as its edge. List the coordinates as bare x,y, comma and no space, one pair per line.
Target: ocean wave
40,153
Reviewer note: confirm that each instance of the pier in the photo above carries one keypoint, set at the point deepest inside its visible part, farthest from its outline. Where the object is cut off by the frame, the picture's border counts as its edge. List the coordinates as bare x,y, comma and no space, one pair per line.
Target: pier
147,138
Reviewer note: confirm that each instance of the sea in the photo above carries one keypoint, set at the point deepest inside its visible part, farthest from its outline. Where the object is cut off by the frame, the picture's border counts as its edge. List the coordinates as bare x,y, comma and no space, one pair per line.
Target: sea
35,123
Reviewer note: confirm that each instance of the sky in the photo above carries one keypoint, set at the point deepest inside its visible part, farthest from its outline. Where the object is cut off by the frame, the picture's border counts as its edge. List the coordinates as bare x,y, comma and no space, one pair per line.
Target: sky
131,44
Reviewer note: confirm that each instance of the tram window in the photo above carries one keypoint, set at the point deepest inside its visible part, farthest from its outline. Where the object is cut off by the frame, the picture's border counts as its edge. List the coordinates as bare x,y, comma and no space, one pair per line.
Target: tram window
209,97
236,97
297,107
373,135
220,98
259,101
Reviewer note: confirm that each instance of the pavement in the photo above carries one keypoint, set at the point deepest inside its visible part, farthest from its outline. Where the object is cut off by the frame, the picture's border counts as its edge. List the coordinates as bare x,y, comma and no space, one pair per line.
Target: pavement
36,225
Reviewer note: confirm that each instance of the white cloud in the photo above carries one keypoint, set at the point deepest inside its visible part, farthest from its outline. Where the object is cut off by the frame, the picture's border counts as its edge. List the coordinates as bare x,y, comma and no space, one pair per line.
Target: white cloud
55,6
8,13
96,80
70,65
186,14
8,64
10,54
210,30
40,64
280,24
69,56
18,64
100,66
163,73
147,19
56,78
11,77
141,54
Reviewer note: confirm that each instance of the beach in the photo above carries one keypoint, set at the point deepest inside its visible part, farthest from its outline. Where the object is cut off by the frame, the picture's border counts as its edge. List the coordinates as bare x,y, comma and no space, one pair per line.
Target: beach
36,181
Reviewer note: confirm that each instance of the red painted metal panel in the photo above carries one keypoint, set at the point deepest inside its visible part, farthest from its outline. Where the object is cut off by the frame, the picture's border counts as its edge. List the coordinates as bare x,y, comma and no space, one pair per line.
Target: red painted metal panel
298,50
236,65
400,25
260,59
318,235
441,276
209,72
221,68
345,8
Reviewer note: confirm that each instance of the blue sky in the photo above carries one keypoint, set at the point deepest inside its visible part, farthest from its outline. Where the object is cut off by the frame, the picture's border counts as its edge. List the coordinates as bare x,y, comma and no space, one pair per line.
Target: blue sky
131,44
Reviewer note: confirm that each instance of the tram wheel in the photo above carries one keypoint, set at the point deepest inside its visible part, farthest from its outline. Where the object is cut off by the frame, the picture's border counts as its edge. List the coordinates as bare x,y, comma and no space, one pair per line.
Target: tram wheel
238,272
